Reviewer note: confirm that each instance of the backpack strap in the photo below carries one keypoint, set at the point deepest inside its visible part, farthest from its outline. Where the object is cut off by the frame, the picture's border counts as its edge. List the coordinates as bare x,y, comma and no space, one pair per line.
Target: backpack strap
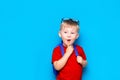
76,51
62,49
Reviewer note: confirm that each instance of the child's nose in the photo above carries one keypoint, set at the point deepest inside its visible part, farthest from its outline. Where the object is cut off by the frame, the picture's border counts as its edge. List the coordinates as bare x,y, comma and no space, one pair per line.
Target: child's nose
69,35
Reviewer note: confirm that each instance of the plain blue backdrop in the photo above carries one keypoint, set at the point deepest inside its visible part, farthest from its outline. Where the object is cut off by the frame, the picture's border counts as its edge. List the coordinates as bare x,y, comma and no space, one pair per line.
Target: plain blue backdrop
29,32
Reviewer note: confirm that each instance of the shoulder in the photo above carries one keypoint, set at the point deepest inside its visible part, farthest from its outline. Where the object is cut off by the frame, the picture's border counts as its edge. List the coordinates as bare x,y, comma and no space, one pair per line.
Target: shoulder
56,49
56,54
78,47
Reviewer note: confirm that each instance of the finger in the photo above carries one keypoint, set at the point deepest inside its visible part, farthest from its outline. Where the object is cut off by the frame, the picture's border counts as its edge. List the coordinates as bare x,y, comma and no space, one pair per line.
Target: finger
68,45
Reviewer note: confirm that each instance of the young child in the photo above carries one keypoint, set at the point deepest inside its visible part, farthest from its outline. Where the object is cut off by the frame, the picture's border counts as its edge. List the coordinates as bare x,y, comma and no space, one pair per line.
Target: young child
69,65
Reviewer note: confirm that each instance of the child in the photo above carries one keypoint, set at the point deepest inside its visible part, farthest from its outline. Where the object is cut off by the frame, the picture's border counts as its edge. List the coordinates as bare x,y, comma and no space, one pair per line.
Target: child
69,65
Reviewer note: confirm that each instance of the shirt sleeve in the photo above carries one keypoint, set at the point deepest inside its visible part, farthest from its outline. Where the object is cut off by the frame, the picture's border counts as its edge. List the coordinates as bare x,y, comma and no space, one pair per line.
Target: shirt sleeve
56,55
81,52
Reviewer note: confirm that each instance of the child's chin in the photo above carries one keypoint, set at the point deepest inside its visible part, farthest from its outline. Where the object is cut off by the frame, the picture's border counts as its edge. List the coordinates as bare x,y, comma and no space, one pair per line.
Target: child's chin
69,44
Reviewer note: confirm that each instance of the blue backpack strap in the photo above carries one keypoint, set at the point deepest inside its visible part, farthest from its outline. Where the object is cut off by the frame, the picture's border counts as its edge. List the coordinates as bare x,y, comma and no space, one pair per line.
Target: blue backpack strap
61,48
55,71
76,51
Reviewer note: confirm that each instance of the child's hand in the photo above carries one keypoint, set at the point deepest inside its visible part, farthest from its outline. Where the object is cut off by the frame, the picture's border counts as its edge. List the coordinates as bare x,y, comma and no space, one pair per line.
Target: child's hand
79,59
69,50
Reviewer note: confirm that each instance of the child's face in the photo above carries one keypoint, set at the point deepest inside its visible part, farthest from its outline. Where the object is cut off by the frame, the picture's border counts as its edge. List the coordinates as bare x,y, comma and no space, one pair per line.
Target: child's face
68,34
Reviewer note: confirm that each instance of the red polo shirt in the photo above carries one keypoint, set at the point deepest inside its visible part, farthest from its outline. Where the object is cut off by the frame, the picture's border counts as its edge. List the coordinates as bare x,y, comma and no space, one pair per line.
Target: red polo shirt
72,69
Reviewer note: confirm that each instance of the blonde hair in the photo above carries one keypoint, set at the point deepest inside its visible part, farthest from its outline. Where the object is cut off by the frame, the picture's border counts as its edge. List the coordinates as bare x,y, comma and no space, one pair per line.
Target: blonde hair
70,23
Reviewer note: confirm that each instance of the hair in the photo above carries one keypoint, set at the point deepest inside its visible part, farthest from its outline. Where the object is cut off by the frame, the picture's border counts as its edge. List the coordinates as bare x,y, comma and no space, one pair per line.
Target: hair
70,22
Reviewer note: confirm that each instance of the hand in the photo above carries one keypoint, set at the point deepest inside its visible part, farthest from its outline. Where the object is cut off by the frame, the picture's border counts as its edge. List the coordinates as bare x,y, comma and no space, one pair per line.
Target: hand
79,59
69,49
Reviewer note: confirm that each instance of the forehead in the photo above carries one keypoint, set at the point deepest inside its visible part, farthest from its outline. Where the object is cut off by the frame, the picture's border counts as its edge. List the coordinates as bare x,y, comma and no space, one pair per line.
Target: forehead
67,26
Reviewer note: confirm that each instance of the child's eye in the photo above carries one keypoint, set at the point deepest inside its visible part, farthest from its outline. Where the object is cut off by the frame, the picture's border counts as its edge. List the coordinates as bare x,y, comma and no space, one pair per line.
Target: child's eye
65,32
72,33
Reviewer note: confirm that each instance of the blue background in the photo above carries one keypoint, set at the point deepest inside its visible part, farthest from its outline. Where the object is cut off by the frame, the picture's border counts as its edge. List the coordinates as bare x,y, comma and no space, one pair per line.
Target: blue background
29,32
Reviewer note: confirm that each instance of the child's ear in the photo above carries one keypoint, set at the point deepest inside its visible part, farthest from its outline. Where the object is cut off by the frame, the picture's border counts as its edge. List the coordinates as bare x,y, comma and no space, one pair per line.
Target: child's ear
77,36
59,34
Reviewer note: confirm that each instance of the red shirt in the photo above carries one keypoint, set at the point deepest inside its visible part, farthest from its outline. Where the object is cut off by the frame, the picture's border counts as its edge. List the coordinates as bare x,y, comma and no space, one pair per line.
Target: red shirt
72,69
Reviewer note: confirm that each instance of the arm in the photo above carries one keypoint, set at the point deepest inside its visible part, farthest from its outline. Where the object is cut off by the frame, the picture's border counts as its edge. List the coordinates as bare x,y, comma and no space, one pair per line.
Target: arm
61,62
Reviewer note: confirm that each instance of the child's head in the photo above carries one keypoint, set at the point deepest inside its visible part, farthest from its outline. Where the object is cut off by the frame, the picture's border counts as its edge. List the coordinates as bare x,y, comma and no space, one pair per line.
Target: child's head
69,31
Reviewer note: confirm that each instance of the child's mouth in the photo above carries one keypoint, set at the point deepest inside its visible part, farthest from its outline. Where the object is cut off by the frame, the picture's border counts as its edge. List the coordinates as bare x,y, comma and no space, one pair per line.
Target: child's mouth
69,40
